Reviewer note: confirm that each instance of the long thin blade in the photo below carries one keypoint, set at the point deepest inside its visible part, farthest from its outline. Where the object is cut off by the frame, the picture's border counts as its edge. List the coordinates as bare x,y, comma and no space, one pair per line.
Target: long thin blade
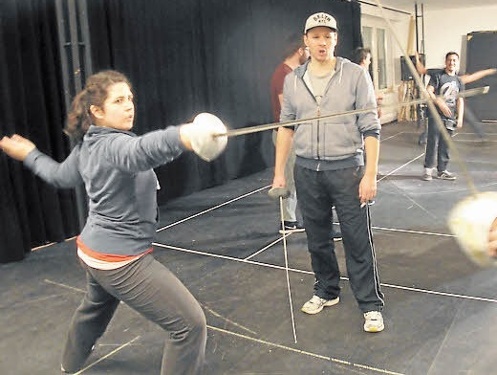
259,128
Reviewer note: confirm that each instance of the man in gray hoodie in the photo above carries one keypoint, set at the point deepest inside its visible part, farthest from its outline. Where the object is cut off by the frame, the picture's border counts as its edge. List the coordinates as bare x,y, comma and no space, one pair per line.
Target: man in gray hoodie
336,165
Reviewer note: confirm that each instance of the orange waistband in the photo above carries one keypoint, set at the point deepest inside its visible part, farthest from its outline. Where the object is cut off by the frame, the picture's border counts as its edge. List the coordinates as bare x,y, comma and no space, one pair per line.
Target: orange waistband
107,257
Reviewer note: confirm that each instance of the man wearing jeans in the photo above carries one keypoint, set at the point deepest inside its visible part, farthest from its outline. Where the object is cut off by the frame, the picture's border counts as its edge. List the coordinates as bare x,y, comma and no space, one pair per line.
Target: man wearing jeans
330,168
444,88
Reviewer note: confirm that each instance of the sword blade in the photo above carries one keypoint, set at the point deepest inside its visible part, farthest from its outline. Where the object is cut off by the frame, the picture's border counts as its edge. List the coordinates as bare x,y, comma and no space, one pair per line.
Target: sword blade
276,125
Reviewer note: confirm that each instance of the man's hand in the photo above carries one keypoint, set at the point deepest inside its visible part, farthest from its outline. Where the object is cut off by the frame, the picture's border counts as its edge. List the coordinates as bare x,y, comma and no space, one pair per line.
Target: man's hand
443,107
367,188
278,192
279,182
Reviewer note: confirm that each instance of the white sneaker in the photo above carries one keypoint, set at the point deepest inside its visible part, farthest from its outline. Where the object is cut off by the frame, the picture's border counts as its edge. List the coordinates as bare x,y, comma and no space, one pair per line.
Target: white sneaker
316,304
373,321
427,176
446,175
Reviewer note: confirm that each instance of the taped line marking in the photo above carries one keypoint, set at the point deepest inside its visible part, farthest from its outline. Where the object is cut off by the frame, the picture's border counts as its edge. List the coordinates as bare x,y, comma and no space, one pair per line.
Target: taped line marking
268,265
106,356
228,320
212,208
399,168
414,232
303,352
65,286
282,268
268,246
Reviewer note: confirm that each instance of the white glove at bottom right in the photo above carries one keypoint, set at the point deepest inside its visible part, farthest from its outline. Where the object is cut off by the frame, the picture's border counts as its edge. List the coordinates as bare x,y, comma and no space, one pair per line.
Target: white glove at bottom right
471,221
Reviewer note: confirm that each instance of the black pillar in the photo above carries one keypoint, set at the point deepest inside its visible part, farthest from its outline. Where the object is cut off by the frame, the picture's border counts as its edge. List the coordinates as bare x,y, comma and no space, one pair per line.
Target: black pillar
76,63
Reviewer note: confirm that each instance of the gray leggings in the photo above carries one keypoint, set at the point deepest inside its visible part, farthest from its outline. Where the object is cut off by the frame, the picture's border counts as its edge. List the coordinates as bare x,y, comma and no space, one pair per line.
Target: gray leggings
149,288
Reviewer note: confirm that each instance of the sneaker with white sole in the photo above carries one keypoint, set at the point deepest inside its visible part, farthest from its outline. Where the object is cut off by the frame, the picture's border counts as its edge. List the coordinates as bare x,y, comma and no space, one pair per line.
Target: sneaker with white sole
316,304
373,321
292,227
446,175
427,176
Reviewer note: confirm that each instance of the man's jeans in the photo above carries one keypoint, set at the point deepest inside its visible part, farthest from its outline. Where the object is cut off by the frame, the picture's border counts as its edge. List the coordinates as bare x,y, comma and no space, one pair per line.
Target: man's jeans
437,150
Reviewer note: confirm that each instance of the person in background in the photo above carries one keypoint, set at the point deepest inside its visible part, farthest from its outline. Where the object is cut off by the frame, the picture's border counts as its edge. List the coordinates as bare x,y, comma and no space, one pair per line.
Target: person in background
362,57
331,169
295,55
443,88
465,78
470,116
115,245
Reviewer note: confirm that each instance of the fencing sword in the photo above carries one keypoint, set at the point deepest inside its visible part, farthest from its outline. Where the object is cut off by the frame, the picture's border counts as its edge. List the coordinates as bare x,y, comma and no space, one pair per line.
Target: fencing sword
275,125
280,194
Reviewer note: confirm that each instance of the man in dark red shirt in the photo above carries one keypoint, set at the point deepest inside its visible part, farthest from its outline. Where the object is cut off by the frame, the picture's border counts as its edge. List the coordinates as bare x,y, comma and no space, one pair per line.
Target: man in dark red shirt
295,55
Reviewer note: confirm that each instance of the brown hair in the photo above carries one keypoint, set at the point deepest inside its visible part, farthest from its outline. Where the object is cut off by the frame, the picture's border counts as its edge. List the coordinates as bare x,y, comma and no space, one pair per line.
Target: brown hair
292,44
450,54
95,92
360,54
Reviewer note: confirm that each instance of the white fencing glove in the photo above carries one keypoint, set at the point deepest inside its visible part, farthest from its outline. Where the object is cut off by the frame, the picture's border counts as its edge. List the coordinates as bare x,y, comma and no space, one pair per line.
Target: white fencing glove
470,221
202,136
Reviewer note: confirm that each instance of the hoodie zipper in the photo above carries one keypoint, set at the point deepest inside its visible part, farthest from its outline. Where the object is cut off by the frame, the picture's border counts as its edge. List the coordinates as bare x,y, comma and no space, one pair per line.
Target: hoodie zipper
319,106
319,109
318,115
317,136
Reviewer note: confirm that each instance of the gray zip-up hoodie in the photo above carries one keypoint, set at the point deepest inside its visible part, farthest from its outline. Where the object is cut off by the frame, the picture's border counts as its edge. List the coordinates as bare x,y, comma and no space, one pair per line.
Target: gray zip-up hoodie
334,139
116,169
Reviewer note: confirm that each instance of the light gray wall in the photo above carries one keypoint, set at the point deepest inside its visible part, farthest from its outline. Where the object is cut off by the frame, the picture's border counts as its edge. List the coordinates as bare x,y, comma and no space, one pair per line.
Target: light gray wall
446,31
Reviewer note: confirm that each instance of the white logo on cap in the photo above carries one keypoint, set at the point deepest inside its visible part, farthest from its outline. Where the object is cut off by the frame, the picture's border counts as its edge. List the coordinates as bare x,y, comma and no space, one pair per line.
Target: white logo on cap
322,18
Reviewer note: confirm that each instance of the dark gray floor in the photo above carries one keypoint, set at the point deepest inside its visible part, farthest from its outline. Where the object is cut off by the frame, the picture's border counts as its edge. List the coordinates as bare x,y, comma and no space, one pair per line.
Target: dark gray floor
441,313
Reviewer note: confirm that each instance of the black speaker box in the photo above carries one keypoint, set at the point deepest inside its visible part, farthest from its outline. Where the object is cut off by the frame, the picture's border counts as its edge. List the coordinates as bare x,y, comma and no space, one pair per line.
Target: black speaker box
405,73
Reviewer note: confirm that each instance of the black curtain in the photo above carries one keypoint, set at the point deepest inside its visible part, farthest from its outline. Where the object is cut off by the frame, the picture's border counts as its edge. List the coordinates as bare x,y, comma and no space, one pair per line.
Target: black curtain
182,57
481,54
32,212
